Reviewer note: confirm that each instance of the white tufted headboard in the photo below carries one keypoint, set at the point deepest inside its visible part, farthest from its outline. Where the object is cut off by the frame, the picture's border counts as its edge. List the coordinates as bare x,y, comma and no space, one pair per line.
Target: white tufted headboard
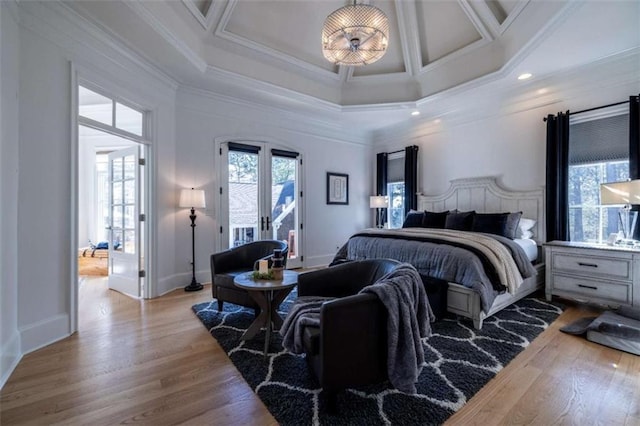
485,195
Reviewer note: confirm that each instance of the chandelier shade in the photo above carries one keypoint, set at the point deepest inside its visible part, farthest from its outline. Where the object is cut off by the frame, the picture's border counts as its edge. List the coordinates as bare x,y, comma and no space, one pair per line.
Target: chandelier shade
355,35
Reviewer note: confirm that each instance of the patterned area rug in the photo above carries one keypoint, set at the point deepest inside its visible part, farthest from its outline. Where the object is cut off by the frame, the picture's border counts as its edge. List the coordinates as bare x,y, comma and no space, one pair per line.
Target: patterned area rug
459,362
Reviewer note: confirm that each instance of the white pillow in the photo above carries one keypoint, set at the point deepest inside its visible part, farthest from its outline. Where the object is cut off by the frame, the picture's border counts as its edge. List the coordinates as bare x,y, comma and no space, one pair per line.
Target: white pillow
524,228
526,235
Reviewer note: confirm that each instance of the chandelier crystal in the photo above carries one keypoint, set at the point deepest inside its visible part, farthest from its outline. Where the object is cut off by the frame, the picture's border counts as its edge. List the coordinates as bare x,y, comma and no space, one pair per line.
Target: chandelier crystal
355,35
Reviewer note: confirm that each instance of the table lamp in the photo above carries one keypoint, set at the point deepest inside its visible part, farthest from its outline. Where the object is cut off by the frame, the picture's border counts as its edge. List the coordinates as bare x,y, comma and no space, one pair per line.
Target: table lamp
623,193
378,202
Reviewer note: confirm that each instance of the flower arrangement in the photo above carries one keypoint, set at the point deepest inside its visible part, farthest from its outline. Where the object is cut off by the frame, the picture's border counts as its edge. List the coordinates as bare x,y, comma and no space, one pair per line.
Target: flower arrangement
256,275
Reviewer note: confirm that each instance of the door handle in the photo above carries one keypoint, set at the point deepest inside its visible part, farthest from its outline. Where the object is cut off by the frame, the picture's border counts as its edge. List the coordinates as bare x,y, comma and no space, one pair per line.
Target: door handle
268,219
262,223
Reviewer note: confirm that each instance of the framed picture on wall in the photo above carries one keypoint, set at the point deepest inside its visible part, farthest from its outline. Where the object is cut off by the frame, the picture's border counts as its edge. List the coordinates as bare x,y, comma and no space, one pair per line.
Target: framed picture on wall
337,188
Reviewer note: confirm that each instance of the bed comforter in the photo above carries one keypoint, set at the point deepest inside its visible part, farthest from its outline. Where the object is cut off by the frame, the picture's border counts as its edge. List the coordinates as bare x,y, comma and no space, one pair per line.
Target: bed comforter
488,264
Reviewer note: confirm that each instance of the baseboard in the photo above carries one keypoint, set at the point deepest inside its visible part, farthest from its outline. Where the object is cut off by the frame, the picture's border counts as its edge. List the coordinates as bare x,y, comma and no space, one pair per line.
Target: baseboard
11,356
317,261
43,333
180,281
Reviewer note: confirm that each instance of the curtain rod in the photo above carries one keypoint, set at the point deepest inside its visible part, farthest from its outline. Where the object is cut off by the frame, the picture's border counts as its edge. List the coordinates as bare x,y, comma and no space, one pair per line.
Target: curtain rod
593,109
600,107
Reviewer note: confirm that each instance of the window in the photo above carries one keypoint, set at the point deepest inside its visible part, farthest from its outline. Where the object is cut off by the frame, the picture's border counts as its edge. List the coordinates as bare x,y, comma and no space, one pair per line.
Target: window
102,109
588,220
395,191
598,153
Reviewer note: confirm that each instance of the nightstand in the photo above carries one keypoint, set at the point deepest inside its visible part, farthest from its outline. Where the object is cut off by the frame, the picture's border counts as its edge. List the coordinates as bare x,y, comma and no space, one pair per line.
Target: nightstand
593,273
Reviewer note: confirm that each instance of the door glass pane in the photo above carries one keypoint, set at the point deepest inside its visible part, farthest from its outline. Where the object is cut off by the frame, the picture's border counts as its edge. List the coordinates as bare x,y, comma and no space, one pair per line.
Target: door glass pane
117,217
129,192
130,241
243,198
117,193
130,167
95,106
283,202
117,169
117,240
128,119
129,216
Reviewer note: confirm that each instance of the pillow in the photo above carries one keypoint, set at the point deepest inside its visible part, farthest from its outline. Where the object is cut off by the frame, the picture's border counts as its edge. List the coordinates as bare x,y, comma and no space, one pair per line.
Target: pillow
526,235
461,221
413,220
504,224
434,219
525,225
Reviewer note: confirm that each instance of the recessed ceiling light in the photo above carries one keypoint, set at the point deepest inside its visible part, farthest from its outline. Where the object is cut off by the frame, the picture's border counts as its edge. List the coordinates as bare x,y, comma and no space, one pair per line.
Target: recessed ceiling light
414,113
525,76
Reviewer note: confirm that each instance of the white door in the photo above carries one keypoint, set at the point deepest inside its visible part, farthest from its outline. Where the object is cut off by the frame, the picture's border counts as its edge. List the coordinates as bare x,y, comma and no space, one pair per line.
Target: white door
260,196
124,224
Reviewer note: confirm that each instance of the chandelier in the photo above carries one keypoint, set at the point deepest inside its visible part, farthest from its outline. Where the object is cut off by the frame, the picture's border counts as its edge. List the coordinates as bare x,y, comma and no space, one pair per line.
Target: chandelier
355,35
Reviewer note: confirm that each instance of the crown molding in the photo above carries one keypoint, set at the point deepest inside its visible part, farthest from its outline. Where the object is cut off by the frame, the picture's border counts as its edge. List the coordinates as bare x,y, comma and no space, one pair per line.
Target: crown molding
295,121
518,8
251,85
543,33
205,20
167,35
60,24
269,52
476,20
409,36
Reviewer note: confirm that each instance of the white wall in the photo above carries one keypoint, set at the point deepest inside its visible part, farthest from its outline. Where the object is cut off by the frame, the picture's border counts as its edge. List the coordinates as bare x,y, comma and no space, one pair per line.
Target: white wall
503,134
49,45
202,119
10,352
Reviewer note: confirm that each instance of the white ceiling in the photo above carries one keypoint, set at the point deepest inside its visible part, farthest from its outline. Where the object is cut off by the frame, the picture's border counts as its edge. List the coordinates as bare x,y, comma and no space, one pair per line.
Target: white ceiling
269,51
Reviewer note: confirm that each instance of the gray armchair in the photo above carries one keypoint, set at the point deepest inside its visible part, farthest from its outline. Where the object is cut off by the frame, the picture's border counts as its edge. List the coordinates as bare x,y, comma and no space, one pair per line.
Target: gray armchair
226,265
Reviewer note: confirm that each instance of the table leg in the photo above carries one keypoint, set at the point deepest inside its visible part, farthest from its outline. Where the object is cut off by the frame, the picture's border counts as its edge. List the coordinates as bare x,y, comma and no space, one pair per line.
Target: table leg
278,297
269,297
263,318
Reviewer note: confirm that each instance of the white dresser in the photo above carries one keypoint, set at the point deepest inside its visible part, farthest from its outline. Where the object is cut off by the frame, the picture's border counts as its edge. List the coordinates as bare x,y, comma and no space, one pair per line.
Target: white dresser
593,273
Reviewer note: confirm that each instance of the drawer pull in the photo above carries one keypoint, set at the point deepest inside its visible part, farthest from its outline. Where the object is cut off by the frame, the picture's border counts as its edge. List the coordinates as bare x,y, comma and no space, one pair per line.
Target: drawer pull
591,265
588,286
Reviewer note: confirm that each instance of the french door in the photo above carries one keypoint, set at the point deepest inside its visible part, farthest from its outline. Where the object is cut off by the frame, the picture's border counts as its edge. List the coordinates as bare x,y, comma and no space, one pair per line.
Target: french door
124,221
260,196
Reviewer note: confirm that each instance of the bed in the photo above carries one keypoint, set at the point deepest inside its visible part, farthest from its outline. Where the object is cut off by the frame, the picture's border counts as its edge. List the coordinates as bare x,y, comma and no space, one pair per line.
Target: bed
482,195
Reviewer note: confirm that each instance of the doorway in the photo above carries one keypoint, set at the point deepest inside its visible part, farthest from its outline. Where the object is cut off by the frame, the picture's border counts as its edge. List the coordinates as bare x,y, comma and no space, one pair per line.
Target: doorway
111,190
261,196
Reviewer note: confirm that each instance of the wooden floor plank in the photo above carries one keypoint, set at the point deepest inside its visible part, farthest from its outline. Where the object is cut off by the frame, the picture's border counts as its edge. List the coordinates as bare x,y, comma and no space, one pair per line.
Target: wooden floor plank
152,362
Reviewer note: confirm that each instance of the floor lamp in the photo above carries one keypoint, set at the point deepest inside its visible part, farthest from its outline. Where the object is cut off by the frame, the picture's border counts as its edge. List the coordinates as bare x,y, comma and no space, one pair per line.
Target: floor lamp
625,193
192,198
378,202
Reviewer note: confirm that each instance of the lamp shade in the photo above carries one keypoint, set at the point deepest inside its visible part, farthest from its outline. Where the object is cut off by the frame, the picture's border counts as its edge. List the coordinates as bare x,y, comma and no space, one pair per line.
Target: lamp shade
192,198
377,201
627,192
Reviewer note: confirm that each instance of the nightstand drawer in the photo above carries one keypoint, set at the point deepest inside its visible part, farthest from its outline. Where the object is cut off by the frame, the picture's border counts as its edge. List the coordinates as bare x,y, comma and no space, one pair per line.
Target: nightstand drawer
618,268
593,289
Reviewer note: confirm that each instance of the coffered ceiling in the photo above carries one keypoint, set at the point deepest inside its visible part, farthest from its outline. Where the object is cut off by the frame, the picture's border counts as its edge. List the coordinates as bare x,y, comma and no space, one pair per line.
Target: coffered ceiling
267,48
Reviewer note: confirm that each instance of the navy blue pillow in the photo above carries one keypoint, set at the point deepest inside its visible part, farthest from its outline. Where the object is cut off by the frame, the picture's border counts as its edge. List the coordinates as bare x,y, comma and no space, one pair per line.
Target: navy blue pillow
413,220
504,224
460,221
434,219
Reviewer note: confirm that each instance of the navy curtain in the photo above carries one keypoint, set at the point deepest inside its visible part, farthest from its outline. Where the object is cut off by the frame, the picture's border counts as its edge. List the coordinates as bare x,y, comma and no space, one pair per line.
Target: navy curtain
557,182
381,180
410,178
634,147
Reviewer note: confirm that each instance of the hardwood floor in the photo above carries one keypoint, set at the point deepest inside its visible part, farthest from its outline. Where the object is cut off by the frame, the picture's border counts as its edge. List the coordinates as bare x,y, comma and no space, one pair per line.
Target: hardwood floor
152,362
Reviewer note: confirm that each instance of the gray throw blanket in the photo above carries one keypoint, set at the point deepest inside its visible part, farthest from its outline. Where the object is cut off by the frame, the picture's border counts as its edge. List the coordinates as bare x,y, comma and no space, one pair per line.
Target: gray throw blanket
409,317
304,312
